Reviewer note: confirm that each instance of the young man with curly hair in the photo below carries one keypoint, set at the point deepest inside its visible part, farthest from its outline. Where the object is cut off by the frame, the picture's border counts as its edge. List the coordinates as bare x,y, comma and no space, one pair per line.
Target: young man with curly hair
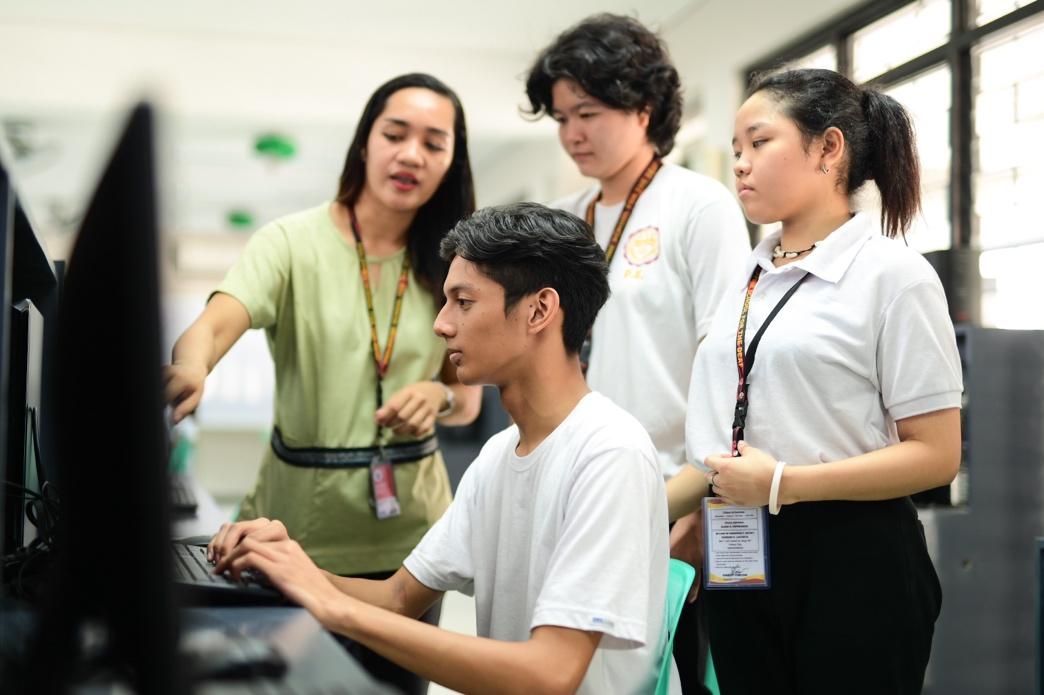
569,581
673,238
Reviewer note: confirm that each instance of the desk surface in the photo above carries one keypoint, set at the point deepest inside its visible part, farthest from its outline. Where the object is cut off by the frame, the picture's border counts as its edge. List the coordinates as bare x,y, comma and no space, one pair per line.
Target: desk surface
316,662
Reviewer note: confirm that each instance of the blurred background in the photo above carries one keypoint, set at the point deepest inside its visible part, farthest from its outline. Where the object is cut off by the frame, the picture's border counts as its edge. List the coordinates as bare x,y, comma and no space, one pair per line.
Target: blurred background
258,100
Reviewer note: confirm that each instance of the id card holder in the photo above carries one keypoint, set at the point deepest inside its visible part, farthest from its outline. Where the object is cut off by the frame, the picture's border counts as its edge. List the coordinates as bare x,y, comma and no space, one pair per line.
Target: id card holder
735,541
382,482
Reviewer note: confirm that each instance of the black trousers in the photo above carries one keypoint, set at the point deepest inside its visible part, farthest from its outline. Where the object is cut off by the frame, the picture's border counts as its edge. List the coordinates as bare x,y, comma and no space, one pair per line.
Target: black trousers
851,609
382,669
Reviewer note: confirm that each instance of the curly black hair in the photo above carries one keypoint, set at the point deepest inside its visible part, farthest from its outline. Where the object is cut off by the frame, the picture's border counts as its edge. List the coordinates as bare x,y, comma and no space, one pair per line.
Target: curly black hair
619,62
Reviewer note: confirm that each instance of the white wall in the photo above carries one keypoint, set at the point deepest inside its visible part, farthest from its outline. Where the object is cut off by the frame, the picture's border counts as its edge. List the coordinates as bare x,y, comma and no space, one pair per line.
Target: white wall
531,169
714,42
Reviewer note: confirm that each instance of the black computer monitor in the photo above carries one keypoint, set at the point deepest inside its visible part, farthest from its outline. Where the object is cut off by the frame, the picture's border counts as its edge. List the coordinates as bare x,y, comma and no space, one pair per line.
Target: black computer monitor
6,250
24,400
113,566
28,305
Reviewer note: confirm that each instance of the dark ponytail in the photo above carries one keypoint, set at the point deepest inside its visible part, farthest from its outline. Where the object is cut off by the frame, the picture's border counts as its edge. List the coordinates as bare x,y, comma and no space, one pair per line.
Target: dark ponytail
892,160
878,135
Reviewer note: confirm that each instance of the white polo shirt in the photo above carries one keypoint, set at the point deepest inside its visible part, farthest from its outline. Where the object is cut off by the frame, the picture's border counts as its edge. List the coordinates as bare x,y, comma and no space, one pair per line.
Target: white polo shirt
866,340
685,238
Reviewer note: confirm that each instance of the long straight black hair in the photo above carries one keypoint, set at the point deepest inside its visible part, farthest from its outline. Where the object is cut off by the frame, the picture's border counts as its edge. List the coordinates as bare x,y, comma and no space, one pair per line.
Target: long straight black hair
878,135
453,200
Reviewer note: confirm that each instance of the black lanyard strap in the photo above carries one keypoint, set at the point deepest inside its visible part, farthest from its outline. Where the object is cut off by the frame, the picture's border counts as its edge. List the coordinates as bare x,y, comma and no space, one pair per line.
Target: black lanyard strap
745,355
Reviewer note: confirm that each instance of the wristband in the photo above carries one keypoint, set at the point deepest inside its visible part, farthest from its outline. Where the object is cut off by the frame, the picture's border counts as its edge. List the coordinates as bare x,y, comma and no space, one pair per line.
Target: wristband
777,475
451,400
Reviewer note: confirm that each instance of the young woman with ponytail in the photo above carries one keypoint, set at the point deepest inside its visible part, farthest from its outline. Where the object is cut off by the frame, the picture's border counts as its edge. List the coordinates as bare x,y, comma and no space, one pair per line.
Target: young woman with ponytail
852,406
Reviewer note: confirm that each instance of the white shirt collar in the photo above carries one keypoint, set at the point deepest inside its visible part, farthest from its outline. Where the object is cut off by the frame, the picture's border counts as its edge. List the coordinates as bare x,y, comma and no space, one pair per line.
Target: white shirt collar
830,259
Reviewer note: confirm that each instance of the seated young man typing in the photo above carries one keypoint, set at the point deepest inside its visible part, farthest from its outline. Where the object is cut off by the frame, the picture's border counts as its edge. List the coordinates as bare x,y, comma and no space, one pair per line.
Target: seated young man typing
559,527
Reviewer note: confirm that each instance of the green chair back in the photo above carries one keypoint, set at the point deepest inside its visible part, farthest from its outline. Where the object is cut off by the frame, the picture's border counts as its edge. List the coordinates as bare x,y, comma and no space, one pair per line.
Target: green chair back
679,579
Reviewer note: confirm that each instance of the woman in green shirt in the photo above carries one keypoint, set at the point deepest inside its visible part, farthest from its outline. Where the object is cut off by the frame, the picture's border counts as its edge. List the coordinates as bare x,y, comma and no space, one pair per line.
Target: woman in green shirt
347,293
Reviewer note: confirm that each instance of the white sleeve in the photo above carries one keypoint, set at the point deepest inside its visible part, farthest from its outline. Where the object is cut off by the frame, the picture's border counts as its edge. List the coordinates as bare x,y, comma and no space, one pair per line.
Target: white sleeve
443,560
599,573
917,361
716,249
709,408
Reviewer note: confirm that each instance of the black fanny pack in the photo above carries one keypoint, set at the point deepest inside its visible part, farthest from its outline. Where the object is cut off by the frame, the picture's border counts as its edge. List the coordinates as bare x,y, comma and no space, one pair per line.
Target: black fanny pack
356,457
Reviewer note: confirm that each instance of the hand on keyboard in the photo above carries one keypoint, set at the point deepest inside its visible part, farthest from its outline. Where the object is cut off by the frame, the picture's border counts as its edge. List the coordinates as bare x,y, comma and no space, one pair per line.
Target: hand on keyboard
231,535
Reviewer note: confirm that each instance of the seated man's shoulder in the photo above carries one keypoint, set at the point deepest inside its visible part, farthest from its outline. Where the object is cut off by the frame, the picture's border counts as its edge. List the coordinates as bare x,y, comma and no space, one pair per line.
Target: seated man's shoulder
608,428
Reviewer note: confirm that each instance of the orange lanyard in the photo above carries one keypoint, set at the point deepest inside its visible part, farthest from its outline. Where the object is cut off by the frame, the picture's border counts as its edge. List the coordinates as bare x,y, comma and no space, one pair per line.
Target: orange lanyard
380,360
625,215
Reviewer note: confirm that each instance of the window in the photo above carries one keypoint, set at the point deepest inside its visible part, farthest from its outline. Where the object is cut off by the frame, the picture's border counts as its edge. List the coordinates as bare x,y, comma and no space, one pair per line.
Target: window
824,58
927,99
985,11
970,74
1008,144
1008,173
1011,287
902,35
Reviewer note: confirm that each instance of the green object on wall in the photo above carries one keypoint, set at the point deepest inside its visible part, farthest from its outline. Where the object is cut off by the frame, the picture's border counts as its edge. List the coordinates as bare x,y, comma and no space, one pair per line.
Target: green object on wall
240,219
275,146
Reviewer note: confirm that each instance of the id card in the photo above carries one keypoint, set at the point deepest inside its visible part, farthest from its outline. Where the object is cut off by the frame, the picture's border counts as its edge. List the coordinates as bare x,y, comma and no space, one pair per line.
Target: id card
735,541
382,481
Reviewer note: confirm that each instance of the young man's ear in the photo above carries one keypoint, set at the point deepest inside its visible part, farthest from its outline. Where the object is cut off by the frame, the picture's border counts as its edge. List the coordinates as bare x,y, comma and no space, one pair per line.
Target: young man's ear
544,310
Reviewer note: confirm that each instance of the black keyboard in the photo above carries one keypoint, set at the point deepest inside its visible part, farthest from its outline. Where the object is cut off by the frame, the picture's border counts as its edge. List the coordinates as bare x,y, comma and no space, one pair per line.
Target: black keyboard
193,574
192,565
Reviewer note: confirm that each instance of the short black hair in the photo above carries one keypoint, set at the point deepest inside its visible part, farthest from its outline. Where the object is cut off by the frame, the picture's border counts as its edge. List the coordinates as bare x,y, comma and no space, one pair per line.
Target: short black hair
618,61
525,247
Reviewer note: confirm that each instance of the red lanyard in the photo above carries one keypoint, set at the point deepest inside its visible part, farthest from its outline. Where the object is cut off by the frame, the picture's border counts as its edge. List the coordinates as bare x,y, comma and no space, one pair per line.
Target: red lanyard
632,199
745,357
379,360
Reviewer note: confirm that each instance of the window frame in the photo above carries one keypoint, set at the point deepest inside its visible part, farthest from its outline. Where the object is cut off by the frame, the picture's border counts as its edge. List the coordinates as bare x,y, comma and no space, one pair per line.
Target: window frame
955,52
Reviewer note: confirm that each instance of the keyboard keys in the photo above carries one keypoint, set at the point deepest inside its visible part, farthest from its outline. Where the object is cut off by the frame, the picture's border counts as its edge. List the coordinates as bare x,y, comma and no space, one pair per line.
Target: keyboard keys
191,565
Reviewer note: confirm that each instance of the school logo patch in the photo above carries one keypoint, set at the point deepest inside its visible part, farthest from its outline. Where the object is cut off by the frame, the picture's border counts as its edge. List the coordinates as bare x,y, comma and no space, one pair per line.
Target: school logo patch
643,246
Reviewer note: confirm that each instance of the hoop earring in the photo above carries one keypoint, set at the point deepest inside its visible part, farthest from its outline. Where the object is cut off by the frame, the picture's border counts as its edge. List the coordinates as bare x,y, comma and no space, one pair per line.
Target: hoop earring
824,168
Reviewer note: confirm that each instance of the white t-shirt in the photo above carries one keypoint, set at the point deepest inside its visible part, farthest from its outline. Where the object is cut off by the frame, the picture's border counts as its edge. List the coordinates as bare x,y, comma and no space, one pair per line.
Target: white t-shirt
866,340
685,238
574,534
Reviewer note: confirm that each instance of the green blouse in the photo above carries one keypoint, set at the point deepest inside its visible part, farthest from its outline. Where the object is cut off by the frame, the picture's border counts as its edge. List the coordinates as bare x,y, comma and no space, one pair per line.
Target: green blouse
299,280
